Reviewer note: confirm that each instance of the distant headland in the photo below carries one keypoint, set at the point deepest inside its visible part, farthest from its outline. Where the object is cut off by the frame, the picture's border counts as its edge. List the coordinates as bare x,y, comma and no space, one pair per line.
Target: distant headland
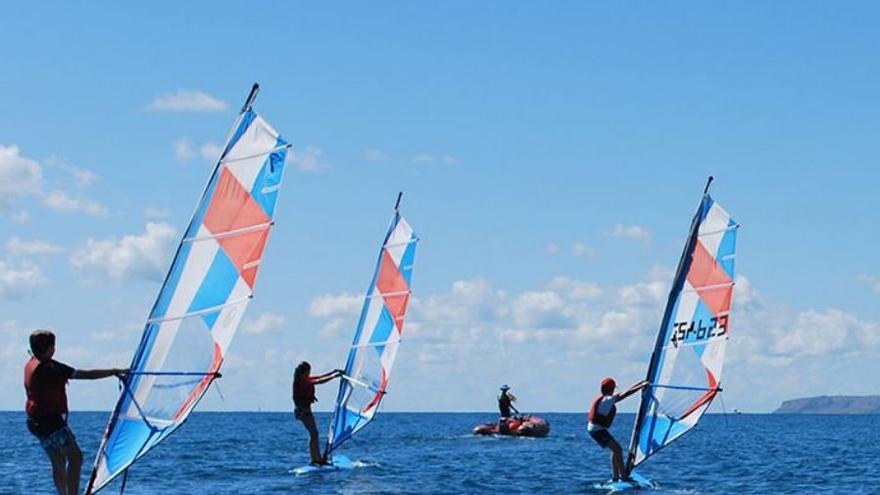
832,404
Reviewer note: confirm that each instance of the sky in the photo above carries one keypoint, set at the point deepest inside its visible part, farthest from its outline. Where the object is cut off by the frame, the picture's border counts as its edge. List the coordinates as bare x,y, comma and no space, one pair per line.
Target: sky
550,158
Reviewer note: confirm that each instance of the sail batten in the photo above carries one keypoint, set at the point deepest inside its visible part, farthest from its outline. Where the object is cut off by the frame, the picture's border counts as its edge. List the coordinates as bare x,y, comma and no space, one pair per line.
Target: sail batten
377,337
685,370
202,300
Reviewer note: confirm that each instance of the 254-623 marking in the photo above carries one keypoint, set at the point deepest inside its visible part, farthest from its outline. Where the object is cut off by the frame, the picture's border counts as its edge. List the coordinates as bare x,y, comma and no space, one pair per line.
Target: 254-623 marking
689,331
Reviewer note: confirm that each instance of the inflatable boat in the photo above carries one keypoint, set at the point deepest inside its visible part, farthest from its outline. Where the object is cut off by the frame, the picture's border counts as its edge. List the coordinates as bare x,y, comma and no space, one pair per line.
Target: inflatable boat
517,426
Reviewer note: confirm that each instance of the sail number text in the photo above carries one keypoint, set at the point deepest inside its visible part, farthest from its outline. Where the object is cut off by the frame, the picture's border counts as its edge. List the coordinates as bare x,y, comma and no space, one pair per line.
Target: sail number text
699,330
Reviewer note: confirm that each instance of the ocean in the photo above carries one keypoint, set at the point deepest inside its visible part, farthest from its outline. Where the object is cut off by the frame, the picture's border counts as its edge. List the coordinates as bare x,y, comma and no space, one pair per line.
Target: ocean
402,453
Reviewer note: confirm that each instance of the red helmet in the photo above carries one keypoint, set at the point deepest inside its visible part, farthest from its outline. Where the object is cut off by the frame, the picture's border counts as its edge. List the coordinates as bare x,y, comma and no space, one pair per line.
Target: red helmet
608,385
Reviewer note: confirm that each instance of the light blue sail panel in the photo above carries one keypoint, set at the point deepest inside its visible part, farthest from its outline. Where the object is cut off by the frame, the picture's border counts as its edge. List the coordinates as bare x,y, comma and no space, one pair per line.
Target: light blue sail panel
202,300
380,326
685,371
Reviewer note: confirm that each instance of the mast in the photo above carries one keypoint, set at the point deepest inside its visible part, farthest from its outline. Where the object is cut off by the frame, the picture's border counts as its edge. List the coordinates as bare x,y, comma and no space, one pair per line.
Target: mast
677,284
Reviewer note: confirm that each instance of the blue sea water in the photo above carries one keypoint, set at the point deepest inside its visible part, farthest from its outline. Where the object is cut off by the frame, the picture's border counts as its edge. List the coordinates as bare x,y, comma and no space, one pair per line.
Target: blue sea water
400,453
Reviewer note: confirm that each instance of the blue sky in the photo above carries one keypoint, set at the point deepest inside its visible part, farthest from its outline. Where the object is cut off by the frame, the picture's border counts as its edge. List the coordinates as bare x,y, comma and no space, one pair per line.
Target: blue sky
551,160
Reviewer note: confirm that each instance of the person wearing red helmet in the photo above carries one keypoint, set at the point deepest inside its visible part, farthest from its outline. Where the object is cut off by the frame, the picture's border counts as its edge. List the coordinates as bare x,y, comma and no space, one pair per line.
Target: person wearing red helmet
601,416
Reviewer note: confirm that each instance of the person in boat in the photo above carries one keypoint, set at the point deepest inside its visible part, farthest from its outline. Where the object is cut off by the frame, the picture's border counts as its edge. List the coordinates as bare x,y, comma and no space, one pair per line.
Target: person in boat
505,405
303,397
601,416
45,382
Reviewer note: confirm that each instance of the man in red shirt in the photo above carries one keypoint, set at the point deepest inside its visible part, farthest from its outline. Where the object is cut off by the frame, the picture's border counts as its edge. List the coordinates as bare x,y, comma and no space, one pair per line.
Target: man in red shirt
45,382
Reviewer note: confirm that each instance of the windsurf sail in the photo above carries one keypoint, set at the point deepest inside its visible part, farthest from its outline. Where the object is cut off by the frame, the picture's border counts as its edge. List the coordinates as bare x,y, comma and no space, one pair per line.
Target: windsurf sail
684,374
205,293
378,334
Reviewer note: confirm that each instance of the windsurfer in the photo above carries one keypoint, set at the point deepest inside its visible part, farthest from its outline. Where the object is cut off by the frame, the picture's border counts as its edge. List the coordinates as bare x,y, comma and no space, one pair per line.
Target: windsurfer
45,382
303,397
601,416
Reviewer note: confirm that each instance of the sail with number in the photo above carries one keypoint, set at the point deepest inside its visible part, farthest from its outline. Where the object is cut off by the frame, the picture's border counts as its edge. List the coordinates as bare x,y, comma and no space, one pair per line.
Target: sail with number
684,374
378,335
205,293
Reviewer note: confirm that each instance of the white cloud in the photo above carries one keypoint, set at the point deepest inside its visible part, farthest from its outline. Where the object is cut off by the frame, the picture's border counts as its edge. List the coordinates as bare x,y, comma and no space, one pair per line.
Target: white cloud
551,248
573,289
328,305
61,201
540,309
816,332
632,232
376,156
307,160
18,282
581,250
18,247
870,281
82,177
20,216
183,150
593,330
143,256
265,323
210,151
423,158
153,212
428,158
19,176
184,100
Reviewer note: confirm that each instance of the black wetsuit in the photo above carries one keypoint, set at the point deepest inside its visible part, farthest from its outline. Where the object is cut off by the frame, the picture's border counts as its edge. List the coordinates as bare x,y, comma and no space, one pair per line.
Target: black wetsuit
504,405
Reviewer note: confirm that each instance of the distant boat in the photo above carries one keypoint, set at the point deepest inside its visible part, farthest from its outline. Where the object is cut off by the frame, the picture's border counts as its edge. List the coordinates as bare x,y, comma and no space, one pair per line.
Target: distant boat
202,300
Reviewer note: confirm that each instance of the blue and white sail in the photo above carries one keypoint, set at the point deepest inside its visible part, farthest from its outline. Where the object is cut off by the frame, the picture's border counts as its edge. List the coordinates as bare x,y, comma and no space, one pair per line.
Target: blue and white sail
380,327
199,307
684,374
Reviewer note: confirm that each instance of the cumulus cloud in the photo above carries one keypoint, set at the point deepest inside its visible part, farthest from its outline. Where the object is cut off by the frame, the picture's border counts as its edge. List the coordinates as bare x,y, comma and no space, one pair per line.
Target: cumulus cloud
376,156
869,280
307,160
581,250
585,330
18,247
153,212
328,305
573,289
551,248
210,150
265,323
63,202
19,176
144,256
184,100
183,150
631,232
429,158
19,281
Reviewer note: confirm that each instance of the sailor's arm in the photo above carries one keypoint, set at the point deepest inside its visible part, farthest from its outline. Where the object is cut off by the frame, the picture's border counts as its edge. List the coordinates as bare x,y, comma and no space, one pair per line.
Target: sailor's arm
98,374
633,389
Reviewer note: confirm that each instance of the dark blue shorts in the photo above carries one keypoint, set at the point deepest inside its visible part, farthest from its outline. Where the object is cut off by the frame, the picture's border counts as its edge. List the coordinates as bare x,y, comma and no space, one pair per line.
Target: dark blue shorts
602,437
